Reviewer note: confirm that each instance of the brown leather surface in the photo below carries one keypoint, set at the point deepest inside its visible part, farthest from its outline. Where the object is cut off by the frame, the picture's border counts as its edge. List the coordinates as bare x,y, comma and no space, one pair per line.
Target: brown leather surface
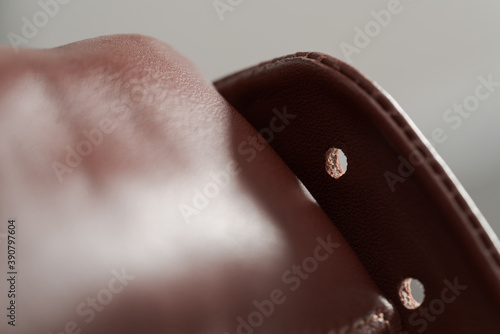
117,210
424,229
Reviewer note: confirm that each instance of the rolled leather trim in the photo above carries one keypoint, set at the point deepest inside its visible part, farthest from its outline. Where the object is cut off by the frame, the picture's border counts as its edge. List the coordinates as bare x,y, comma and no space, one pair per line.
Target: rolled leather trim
425,226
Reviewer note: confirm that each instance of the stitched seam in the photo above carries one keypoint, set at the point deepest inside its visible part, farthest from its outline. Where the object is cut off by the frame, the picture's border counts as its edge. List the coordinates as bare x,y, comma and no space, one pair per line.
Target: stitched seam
398,119
432,163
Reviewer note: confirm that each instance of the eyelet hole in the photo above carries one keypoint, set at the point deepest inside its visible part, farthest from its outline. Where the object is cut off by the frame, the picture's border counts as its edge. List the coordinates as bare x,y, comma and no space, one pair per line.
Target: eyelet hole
411,293
336,162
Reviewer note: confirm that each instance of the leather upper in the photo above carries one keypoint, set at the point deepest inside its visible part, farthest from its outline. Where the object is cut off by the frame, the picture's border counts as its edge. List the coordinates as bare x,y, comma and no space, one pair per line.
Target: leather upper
166,210
398,205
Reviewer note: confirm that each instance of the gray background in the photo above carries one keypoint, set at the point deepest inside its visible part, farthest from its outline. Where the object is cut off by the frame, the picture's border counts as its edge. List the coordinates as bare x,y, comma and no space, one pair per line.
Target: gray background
428,57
